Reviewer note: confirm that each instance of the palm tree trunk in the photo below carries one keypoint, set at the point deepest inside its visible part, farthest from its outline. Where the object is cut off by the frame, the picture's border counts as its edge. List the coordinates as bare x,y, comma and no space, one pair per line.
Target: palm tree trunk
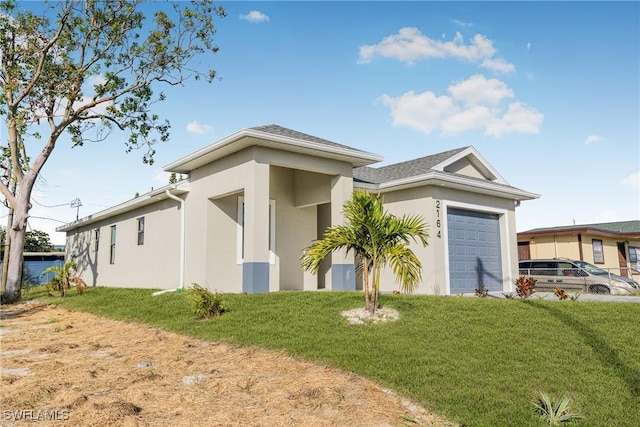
365,283
376,290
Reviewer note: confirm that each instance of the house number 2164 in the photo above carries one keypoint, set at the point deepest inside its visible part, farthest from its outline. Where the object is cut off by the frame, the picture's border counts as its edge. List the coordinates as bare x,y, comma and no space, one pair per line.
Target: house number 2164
438,220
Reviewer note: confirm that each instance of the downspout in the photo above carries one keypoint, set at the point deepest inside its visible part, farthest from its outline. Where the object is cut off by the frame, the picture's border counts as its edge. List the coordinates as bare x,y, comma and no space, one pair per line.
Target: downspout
182,229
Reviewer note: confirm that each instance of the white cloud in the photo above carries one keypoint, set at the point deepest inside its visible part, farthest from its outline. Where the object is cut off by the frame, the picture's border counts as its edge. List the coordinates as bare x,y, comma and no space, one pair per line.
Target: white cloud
473,104
462,24
498,64
423,111
518,119
478,90
473,118
632,180
197,128
592,139
410,45
255,17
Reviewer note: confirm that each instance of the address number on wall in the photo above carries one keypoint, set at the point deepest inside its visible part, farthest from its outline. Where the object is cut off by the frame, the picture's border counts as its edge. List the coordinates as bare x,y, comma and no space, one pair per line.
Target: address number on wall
438,219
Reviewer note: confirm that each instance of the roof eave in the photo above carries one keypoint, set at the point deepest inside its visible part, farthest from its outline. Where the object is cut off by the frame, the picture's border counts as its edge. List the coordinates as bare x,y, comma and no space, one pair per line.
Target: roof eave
578,230
132,204
452,181
208,154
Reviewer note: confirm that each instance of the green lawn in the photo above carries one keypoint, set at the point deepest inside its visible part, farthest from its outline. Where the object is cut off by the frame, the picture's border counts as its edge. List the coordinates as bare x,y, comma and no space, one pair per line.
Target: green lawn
477,361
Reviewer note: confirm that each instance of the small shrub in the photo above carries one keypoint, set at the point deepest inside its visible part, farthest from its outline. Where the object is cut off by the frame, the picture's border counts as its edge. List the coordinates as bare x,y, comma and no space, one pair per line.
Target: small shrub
207,304
525,286
481,291
575,296
560,293
509,295
554,411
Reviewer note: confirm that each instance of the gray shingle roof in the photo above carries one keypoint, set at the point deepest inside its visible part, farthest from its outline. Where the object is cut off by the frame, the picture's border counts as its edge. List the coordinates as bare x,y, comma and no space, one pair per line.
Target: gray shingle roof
622,227
401,170
282,131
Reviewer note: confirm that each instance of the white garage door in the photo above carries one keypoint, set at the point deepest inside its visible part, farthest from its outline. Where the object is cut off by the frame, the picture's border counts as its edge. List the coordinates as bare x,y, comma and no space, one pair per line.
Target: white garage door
474,251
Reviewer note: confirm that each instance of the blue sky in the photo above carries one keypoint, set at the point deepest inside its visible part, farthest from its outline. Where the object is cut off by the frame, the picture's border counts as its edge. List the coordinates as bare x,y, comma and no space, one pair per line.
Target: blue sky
548,93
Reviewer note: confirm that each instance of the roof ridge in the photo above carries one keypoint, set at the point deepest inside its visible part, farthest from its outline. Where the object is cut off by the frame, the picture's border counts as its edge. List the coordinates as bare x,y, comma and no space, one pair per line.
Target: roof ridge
292,133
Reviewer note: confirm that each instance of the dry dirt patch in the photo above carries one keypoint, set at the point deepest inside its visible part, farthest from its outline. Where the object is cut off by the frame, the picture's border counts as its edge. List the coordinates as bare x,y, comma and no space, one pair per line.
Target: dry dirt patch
77,369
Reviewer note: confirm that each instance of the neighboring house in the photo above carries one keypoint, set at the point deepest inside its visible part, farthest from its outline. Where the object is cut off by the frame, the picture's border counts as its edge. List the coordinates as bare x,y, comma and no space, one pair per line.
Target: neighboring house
254,200
613,246
36,262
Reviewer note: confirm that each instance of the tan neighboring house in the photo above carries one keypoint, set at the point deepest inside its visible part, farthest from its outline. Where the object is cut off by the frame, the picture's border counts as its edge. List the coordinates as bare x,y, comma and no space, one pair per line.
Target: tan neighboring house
614,246
255,199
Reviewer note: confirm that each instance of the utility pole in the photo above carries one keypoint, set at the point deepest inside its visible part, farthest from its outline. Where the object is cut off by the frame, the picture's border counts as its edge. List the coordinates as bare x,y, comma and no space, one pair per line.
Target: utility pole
76,203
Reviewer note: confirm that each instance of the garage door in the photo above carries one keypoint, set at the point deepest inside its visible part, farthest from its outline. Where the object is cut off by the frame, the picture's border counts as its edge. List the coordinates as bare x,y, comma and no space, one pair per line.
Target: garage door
474,251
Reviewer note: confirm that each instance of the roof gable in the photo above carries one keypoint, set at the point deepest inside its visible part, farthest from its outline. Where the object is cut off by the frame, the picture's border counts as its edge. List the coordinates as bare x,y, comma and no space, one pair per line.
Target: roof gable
462,161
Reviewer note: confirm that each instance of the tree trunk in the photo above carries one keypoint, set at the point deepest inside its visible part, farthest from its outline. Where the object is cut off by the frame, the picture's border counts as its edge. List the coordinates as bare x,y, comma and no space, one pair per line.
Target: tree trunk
365,284
14,272
376,288
16,234
5,250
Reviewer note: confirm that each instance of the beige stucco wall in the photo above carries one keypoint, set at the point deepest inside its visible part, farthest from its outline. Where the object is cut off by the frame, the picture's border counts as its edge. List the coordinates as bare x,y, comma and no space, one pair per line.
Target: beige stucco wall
296,182
434,258
464,167
562,246
222,270
295,230
155,264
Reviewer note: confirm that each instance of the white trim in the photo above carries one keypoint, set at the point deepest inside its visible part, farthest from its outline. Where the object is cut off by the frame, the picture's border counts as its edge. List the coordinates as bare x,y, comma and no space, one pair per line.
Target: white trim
151,197
183,224
207,154
272,231
477,160
240,231
442,178
503,218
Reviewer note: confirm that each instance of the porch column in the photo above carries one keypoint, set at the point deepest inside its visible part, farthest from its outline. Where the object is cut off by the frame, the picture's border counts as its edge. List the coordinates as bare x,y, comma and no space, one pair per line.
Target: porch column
343,275
255,266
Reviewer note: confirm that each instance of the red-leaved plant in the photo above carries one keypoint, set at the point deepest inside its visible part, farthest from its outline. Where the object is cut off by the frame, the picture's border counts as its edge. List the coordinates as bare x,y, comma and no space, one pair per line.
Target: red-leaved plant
525,286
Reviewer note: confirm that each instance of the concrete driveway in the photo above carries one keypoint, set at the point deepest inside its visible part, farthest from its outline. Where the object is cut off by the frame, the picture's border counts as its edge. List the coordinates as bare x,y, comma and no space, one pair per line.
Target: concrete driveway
583,297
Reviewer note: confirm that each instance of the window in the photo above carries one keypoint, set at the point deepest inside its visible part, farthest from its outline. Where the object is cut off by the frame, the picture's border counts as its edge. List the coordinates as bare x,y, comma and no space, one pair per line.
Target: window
141,231
112,254
96,239
598,254
272,231
634,261
544,268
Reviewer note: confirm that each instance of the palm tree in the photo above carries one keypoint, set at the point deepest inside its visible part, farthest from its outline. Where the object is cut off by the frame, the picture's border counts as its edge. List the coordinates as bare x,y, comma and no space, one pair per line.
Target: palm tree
377,238
62,276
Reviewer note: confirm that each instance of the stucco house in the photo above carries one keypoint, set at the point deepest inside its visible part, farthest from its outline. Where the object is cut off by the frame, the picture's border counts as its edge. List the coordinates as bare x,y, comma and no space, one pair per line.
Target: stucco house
614,246
255,199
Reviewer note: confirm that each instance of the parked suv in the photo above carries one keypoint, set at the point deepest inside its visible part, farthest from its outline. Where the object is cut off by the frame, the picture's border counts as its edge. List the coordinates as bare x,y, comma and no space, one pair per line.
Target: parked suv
576,276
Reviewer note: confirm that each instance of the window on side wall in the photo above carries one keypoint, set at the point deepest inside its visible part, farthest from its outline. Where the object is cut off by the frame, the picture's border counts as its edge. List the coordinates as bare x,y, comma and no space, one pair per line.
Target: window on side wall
96,239
112,253
634,261
272,231
141,231
598,252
